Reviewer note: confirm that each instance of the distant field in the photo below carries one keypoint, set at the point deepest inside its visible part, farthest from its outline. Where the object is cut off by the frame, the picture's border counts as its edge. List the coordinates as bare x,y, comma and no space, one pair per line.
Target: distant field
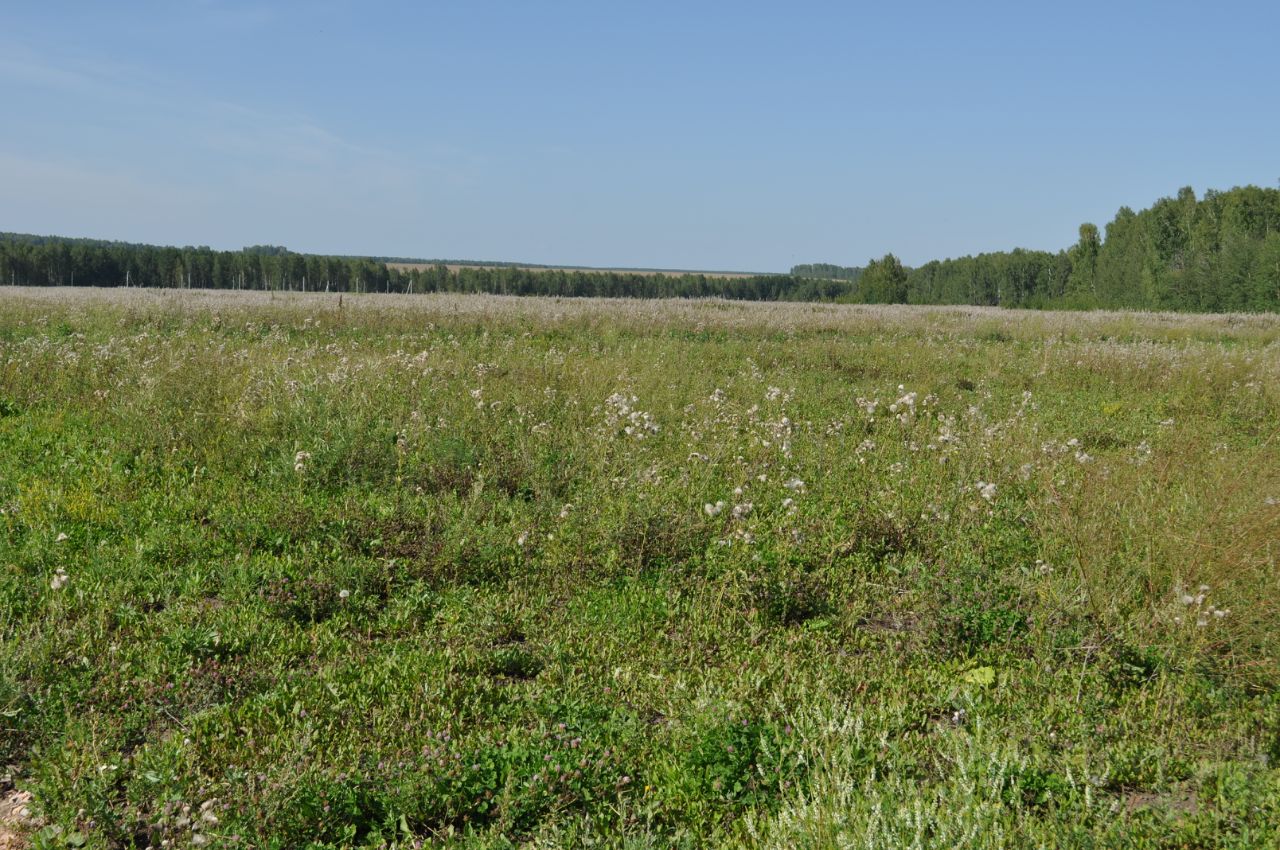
453,267
390,571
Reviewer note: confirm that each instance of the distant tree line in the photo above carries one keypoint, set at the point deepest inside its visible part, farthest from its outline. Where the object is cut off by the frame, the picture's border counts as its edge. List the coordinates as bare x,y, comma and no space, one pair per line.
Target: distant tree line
54,261
1216,253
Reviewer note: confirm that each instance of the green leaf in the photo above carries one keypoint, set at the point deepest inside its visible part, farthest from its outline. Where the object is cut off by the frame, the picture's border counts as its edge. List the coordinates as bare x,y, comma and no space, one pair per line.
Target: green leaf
983,677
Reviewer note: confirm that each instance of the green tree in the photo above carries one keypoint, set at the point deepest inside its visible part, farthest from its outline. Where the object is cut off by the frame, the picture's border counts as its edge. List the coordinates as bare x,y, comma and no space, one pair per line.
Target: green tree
883,281
1082,285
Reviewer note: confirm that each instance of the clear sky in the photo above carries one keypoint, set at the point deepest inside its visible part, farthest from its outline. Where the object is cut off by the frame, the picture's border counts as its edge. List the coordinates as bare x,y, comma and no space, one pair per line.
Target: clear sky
715,135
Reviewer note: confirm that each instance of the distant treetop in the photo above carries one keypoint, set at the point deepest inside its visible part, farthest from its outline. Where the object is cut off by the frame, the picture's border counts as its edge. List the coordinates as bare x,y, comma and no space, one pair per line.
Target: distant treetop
826,271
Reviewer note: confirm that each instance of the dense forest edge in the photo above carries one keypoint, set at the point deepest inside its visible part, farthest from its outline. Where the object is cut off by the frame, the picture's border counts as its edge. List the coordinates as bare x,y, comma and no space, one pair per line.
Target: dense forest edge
1217,253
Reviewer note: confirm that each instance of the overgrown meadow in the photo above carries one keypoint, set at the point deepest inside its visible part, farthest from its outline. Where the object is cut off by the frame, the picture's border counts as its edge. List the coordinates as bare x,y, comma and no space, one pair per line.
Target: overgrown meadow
468,571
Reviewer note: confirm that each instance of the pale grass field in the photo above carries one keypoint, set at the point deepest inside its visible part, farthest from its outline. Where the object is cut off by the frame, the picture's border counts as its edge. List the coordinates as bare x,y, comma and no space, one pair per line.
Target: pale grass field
454,267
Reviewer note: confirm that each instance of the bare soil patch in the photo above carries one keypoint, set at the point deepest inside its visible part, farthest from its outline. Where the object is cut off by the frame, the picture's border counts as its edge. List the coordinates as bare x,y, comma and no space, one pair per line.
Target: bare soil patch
1182,800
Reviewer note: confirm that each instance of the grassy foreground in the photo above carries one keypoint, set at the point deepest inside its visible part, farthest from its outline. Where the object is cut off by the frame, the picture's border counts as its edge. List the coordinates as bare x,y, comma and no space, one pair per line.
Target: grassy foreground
487,572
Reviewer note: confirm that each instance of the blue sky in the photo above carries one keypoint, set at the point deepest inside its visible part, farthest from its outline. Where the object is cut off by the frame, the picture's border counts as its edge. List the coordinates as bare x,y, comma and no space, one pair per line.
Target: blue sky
695,135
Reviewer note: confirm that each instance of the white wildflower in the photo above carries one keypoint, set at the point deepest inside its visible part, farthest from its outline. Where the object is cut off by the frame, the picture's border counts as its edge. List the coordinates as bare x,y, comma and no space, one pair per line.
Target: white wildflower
620,411
60,579
713,510
794,484
740,511
986,489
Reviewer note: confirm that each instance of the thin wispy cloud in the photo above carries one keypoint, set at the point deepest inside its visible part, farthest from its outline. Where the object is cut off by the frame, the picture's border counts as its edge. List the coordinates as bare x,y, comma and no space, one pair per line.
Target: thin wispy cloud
196,158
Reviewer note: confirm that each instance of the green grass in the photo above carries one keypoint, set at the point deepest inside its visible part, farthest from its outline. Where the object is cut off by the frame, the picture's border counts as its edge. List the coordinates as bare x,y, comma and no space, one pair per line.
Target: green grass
450,571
